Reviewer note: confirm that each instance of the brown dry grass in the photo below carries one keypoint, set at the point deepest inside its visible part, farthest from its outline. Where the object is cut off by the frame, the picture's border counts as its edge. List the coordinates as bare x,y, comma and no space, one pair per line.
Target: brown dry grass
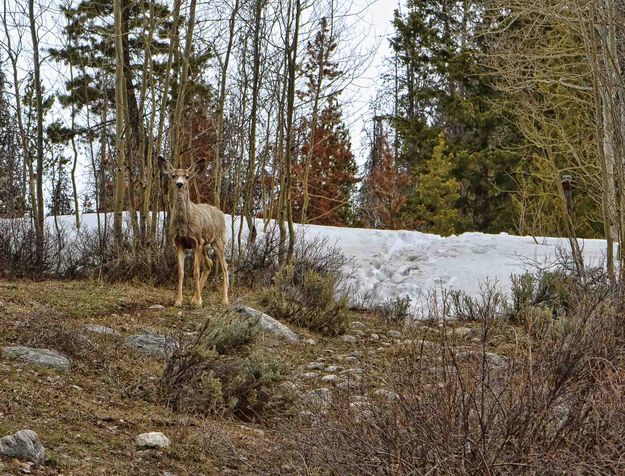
446,419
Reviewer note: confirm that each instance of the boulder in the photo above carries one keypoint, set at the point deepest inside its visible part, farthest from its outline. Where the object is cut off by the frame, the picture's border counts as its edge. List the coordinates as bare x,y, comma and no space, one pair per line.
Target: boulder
318,397
23,445
43,357
151,344
99,329
267,323
153,439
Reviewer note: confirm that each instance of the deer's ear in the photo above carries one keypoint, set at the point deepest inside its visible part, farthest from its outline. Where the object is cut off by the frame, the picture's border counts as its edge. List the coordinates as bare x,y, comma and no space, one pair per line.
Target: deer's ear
198,166
164,164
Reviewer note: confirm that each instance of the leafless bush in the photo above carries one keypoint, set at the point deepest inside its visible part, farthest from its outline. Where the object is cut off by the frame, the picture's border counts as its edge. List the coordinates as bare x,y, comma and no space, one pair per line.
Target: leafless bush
488,305
18,251
554,404
259,261
258,264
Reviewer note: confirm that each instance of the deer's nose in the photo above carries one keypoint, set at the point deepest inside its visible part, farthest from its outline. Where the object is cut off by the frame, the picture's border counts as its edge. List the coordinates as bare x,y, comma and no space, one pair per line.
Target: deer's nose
179,184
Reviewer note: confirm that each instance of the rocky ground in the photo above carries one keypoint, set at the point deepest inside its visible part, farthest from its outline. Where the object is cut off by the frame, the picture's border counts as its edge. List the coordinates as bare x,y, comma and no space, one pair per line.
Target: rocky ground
77,359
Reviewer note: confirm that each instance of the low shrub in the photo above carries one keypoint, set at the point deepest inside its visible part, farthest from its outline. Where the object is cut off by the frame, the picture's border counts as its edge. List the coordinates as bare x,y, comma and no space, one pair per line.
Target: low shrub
552,405
215,372
395,310
309,300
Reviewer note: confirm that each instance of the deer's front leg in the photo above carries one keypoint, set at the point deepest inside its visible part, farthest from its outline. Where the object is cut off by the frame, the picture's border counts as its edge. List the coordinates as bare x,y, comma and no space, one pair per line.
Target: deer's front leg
181,255
197,257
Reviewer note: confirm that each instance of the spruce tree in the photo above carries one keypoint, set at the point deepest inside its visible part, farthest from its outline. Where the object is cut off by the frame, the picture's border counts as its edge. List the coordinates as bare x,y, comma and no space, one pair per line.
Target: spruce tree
437,193
332,178
12,171
442,87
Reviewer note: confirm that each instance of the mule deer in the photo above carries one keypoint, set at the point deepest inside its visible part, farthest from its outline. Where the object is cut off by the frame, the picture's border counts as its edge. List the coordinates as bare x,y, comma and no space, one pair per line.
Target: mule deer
195,226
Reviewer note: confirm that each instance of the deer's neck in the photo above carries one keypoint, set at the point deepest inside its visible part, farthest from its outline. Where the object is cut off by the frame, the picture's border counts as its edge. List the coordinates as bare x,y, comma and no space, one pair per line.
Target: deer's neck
181,214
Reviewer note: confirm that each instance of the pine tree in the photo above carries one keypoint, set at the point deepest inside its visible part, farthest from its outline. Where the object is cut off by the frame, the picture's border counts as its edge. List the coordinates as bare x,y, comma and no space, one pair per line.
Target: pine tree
437,193
333,170
442,87
60,201
12,172
383,190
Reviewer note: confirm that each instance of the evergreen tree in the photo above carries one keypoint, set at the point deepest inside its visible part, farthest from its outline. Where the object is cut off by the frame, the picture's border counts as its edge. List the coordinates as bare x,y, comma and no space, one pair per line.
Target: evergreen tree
383,190
60,201
12,173
333,170
437,193
441,87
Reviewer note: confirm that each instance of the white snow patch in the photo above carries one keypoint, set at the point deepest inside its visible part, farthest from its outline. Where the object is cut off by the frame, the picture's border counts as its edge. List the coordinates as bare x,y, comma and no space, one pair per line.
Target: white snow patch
385,264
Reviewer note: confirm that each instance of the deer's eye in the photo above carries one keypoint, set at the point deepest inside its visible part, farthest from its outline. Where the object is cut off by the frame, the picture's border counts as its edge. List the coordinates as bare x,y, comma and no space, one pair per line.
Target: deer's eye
186,176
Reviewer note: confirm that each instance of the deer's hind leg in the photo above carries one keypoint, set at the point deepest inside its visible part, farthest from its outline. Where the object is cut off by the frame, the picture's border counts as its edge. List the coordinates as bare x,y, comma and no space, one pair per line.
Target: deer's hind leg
198,253
208,267
181,255
220,250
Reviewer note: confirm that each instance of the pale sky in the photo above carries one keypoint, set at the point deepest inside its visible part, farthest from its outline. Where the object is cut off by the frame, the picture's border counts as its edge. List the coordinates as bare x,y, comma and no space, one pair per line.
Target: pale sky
375,28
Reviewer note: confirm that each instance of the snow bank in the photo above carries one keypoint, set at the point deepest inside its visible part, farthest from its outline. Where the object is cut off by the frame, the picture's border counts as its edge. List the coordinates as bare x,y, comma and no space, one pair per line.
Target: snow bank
385,264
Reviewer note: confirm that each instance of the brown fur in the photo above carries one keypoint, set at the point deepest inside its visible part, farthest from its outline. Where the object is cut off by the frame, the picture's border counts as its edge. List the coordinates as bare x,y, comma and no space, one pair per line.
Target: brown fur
195,226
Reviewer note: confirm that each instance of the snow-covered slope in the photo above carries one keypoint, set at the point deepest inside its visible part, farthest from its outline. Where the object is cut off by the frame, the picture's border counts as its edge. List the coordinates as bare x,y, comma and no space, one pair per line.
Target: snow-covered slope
386,264
408,263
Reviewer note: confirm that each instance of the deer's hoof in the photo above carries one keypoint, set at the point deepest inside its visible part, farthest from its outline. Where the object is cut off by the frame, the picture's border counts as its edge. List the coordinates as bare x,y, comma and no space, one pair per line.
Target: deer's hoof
178,303
196,302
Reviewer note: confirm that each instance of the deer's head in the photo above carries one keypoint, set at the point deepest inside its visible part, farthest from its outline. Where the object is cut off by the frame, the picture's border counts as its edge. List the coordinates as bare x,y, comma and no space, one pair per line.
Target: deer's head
180,177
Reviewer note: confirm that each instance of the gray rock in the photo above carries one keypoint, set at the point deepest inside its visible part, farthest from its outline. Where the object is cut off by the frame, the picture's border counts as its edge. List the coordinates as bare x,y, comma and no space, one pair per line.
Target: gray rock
357,325
316,366
23,445
348,338
310,375
459,331
329,378
153,439
151,344
333,368
267,323
43,357
354,371
358,333
350,384
393,334
426,344
309,341
386,394
374,337
356,354
476,356
99,329
318,397
443,370
157,307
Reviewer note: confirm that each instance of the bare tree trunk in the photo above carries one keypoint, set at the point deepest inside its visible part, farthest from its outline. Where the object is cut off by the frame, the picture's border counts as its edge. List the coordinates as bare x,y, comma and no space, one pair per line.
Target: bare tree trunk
221,104
290,113
28,159
39,212
120,128
182,89
251,165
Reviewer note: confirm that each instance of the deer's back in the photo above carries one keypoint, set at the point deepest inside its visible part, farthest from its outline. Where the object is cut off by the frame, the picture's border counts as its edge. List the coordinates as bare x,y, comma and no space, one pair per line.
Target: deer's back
211,222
